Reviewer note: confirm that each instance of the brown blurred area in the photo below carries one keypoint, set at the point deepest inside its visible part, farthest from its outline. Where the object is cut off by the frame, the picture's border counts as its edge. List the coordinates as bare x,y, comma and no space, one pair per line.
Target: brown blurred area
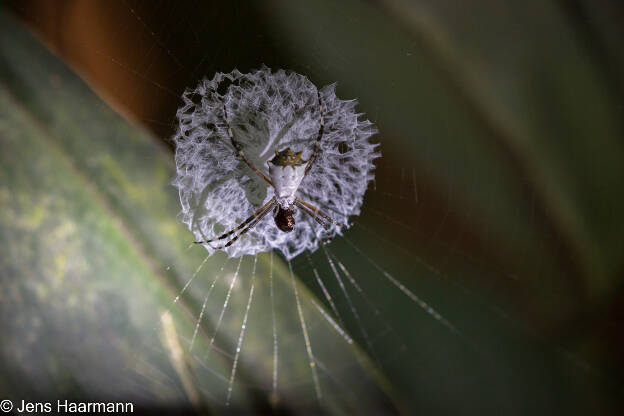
101,43
140,56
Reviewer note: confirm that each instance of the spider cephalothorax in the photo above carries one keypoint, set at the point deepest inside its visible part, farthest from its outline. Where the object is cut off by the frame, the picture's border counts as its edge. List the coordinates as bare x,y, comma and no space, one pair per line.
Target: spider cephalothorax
286,171
288,158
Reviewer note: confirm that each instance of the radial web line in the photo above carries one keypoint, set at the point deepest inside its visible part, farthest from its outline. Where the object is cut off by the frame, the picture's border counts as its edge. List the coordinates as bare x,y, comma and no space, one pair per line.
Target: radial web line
498,311
275,350
359,289
242,333
333,323
495,309
421,303
163,316
440,225
306,337
186,285
137,73
324,289
144,371
415,185
225,304
181,292
354,311
203,308
397,196
393,220
402,249
158,41
343,388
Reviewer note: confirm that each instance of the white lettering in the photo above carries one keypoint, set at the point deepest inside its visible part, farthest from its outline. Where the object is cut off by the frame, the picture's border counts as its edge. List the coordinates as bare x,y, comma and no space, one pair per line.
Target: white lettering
96,407
28,407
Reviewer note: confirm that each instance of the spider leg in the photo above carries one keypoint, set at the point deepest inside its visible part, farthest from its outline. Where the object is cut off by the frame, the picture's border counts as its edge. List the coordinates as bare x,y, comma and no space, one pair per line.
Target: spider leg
249,227
260,212
316,210
313,215
239,149
317,143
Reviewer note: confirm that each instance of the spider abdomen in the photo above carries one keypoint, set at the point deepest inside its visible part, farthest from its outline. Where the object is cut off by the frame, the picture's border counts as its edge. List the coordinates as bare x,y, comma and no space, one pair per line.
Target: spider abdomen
284,219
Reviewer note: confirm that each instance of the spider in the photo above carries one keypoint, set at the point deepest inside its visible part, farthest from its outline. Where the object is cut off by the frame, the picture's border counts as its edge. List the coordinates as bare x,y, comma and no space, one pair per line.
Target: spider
286,171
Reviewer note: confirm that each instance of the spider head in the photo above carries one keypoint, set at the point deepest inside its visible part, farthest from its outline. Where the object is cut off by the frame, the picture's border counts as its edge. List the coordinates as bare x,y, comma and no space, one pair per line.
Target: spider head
284,219
288,157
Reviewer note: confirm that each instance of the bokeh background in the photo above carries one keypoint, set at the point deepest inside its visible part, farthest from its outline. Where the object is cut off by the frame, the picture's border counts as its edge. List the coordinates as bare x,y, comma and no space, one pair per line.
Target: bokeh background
498,201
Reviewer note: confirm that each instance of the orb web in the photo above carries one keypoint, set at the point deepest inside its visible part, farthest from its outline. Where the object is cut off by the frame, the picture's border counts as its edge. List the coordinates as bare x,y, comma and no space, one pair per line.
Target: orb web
268,112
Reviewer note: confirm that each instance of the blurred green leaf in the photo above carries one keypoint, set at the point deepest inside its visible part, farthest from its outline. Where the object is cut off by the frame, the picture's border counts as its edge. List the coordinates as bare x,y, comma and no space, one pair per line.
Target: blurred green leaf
93,258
